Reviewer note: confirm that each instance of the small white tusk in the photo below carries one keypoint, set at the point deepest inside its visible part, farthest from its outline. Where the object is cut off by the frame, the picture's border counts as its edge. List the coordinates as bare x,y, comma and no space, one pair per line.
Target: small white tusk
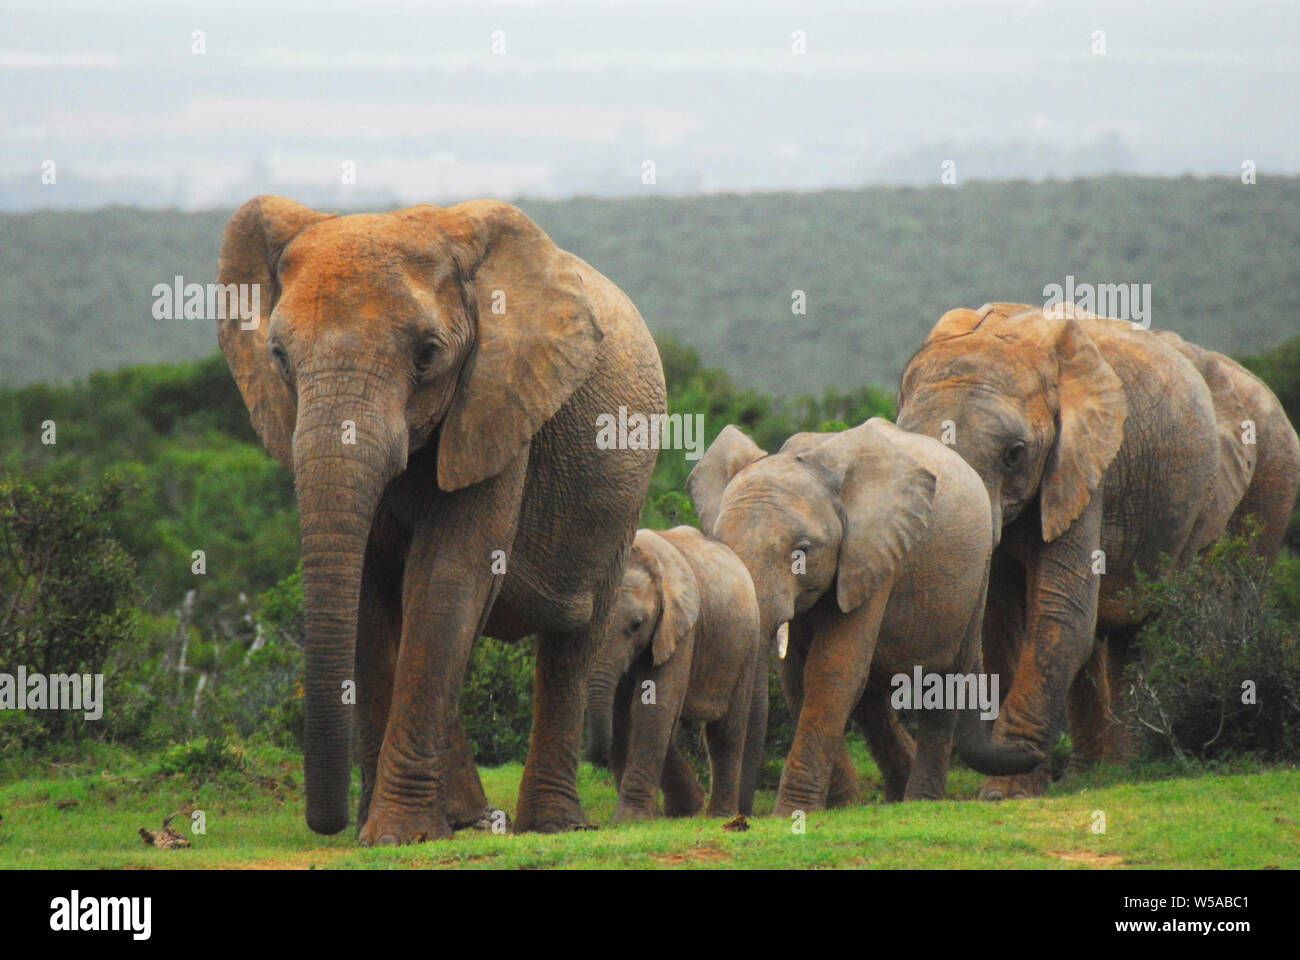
782,639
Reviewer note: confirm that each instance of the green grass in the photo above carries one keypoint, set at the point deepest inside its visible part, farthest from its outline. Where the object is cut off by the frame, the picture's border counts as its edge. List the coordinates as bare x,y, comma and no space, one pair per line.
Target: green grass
86,813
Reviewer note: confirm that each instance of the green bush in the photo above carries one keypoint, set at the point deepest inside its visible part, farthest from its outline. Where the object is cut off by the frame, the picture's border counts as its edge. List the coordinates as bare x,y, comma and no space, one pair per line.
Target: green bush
68,594
496,701
201,759
1219,672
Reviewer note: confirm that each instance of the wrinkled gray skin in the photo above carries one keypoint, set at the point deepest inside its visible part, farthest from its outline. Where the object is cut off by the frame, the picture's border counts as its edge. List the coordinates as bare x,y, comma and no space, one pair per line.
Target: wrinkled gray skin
686,620
1097,443
872,545
432,377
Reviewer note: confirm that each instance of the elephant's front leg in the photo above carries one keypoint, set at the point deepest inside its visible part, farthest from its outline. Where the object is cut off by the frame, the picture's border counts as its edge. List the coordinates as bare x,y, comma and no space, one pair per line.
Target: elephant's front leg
656,698
426,781
379,626
891,746
834,676
843,788
1061,617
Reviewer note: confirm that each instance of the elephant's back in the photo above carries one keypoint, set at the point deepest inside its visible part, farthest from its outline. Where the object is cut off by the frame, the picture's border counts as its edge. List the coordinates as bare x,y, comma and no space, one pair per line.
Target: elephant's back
726,589
940,583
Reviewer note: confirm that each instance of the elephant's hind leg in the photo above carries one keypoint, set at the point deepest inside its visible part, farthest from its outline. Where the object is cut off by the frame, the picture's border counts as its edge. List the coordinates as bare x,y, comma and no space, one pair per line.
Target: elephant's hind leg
891,746
755,736
683,795
934,734
726,739
548,792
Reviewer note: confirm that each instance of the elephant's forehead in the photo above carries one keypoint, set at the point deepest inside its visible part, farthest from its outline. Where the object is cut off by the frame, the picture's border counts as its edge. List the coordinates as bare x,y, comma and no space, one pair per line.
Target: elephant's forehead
780,482
1008,366
354,277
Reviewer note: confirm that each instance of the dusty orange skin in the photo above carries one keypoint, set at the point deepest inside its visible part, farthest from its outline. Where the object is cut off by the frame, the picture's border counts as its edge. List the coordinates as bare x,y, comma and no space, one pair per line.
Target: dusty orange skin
469,357
1090,435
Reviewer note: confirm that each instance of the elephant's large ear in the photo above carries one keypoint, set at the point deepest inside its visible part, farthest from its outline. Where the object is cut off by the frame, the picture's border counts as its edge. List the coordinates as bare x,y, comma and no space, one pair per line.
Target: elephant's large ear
678,590
255,237
536,344
886,496
731,452
1092,414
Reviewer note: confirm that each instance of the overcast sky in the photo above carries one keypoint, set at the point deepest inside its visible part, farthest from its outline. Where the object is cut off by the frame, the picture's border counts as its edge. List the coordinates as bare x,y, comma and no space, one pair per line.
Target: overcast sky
584,94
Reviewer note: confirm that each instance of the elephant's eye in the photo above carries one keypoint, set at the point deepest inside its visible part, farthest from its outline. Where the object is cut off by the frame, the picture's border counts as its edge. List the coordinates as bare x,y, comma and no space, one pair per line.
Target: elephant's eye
425,356
1013,458
280,357
637,621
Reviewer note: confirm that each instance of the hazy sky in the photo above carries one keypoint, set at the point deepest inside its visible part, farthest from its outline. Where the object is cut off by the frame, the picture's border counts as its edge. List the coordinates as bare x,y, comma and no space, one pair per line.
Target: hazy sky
584,94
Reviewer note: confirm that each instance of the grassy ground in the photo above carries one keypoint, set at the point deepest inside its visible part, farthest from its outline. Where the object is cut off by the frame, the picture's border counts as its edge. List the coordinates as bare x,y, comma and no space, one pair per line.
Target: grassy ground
86,813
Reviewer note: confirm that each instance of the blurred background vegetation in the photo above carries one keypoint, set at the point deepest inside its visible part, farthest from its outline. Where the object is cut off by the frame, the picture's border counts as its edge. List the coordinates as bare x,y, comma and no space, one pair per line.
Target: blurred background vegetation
98,531
879,266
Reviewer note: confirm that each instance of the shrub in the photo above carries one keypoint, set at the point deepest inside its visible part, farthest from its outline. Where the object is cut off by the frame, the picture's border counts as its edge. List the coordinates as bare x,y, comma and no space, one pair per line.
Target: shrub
68,595
200,759
496,701
1220,664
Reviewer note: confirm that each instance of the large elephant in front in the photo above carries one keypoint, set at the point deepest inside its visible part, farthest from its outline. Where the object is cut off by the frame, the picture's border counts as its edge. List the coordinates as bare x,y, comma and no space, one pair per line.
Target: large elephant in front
683,644
1102,447
869,553
433,379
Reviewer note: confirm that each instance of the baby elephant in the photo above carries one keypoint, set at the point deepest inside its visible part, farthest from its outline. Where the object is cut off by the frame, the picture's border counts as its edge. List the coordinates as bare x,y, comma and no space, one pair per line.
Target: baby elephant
682,644
869,550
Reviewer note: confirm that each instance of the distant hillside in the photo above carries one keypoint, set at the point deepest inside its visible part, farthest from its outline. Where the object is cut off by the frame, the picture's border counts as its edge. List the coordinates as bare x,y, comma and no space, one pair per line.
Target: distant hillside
878,267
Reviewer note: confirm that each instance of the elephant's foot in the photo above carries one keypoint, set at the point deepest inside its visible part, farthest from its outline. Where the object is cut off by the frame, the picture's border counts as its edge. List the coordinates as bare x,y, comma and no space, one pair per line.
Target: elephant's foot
394,828
632,812
687,804
551,816
843,790
1019,787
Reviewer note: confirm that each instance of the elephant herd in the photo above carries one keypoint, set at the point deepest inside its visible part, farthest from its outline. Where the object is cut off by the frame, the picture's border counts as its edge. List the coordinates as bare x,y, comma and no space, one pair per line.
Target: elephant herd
434,377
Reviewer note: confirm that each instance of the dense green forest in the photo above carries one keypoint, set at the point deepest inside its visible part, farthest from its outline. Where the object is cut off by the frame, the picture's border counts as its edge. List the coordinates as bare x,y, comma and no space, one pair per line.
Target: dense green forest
878,266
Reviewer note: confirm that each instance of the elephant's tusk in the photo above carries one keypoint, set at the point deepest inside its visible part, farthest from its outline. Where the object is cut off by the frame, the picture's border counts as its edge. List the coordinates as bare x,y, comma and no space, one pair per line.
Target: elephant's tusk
782,639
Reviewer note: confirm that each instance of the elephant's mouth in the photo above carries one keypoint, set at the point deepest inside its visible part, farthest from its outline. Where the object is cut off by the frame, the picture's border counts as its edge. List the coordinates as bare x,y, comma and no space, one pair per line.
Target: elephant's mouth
781,640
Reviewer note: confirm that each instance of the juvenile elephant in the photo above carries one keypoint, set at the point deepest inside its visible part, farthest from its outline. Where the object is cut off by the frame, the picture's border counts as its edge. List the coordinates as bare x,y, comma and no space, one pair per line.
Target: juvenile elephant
869,553
1102,447
432,377
683,644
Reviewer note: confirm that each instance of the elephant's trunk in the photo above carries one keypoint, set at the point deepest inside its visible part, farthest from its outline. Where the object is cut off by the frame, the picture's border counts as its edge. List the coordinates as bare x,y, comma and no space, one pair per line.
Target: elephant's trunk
339,486
979,751
600,712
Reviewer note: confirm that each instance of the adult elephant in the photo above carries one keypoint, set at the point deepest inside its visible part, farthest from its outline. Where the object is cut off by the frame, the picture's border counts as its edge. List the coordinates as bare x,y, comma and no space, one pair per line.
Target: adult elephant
869,553
1102,447
432,377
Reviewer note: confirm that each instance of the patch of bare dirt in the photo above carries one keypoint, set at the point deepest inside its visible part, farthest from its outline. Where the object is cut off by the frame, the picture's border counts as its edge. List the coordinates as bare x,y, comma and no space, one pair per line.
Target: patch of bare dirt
703,853
302,860
1088,858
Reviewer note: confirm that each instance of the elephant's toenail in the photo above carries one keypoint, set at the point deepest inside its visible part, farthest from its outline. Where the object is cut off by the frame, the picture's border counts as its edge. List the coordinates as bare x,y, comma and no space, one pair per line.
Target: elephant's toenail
388,840
994,795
